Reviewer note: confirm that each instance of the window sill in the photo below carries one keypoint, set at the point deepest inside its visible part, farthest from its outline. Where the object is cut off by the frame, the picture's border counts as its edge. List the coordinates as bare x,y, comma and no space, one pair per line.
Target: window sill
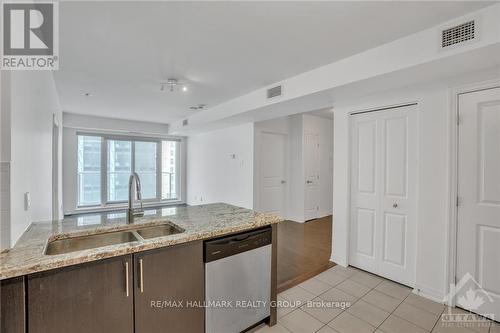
121,207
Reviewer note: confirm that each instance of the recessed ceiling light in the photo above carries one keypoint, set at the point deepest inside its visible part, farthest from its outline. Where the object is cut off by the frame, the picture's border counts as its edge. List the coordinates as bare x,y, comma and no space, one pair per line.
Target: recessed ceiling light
184,88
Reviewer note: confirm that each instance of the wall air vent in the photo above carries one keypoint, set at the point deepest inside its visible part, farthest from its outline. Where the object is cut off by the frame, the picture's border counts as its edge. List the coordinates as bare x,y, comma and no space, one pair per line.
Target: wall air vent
275,91
185,122
458,34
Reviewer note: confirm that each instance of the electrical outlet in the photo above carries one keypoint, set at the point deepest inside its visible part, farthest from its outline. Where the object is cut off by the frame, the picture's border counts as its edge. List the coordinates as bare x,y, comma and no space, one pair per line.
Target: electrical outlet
27,201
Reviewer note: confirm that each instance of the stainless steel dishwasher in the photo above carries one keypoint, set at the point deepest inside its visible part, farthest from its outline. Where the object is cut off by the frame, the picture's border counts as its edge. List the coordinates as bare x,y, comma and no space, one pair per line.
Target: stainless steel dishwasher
237,281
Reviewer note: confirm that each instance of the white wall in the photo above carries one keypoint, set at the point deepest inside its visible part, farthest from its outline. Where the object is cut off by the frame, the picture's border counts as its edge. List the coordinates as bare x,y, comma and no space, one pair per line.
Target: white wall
294,127
31,102
434,179
91,123
5,159
213,175
296,197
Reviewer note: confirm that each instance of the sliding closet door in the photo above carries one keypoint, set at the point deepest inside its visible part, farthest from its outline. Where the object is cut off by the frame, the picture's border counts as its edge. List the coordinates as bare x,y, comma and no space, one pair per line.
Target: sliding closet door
383,192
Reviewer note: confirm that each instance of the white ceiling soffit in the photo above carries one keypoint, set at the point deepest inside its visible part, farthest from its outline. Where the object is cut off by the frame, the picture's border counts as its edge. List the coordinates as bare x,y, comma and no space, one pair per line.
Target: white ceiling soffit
119,52
320,87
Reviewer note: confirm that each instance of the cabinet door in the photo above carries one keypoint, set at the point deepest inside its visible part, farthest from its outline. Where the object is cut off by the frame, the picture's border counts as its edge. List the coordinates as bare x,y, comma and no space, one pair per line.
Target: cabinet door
173,274
12,296
91,297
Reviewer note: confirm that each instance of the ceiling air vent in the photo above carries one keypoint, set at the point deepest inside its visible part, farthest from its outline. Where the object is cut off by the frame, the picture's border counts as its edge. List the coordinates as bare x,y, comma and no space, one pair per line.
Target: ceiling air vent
185,122
458,34
274,91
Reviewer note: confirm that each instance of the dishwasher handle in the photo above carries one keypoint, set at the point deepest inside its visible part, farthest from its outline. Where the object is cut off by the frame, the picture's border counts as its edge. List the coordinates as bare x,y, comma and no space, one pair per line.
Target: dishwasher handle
228,240
230,245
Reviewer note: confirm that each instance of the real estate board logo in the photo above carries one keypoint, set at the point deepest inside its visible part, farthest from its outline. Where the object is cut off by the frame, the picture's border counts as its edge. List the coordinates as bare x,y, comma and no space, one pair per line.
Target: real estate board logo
29,35
471,296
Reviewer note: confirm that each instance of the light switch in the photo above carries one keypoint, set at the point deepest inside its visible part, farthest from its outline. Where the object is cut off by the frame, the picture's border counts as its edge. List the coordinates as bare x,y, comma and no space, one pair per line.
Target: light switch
27,201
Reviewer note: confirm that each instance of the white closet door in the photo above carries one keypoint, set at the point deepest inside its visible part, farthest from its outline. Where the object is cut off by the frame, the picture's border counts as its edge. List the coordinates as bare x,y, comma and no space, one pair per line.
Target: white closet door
364,191
478,243
383,192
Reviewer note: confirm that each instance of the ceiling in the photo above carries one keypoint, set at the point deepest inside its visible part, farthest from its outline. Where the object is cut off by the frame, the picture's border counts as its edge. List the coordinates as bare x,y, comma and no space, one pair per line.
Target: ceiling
119,52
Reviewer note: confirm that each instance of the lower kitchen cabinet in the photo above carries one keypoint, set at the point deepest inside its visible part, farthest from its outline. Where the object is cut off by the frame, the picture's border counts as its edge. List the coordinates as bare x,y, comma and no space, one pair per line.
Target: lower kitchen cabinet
91,297
12,305
160,290
168,284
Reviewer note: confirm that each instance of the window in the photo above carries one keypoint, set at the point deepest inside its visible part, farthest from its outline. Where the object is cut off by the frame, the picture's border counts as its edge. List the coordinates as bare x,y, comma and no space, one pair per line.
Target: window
145,166
119,165
106,162
89,170
168,166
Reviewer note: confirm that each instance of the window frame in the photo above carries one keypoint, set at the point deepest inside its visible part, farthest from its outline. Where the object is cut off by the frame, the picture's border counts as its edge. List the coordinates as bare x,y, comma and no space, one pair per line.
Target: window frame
105,138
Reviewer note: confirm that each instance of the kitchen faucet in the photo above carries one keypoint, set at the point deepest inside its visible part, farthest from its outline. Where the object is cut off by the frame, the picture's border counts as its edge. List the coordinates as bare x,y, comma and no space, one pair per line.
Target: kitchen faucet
134,180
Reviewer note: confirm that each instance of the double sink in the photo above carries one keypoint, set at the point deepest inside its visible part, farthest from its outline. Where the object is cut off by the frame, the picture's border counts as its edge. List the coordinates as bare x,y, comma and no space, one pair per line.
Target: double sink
79,243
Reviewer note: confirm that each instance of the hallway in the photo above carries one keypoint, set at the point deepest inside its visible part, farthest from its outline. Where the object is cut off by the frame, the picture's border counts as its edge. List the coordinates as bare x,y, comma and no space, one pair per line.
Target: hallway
303,250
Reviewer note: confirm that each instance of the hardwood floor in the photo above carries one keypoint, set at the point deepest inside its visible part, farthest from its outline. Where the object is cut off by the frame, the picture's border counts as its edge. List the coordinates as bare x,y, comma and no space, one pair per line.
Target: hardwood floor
303,250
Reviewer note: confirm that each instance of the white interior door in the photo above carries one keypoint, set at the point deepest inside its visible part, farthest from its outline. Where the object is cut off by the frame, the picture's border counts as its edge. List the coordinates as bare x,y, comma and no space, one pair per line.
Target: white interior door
383,192
311,170
272,173
478,243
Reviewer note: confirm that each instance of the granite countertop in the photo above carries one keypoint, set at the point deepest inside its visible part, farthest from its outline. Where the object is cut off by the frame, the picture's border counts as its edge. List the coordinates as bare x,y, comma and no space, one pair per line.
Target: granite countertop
198,222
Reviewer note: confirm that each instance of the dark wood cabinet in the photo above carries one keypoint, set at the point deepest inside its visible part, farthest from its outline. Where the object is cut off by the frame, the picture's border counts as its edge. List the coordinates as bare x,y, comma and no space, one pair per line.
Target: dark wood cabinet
161,290
91,297
168,284
12,304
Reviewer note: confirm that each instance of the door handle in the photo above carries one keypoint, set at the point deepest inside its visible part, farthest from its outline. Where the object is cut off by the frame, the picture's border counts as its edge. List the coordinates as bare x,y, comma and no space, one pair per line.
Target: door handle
126,278
141,276
283,182
395,205
309,182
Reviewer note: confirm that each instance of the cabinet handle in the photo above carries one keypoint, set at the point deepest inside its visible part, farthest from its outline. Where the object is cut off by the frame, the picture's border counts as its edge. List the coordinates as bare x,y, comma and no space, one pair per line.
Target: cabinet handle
126,277
141,278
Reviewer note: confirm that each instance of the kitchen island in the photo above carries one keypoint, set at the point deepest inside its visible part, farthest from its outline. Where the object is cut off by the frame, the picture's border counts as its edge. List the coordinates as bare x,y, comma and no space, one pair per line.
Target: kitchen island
111,288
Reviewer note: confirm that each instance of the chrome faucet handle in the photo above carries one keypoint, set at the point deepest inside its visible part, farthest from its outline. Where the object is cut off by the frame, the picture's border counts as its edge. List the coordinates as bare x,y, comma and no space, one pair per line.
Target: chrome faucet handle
134,184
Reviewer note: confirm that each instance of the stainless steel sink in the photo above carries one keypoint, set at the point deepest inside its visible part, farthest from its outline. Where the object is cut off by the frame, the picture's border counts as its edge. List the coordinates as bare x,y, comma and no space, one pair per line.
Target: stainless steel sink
73,244
158,231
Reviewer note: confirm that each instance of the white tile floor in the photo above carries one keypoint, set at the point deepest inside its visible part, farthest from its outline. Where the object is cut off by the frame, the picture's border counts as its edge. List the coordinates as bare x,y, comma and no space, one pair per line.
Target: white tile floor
376,305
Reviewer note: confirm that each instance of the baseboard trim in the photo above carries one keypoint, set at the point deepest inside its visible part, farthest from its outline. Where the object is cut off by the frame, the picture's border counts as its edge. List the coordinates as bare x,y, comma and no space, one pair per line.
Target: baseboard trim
339,261
429,293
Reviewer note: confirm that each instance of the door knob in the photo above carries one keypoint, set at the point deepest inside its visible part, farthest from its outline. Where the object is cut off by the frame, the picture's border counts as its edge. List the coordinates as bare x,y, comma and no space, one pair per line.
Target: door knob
309,182
283,182
395,205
